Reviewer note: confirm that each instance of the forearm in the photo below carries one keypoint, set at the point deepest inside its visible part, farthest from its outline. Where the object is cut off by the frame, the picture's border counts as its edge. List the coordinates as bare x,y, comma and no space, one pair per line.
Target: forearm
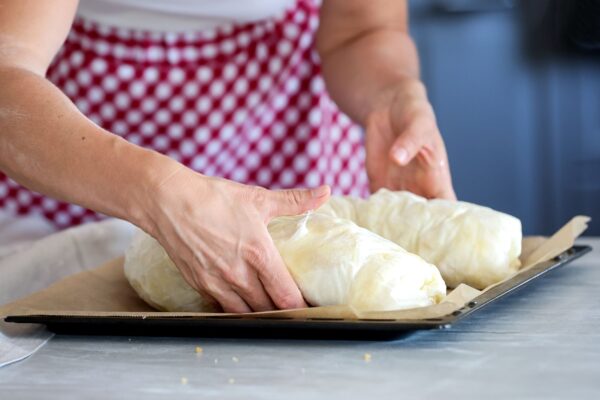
362,73
47,145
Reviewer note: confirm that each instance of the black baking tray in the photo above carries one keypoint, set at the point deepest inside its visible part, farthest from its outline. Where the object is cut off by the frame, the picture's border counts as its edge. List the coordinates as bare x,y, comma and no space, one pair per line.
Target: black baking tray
310,328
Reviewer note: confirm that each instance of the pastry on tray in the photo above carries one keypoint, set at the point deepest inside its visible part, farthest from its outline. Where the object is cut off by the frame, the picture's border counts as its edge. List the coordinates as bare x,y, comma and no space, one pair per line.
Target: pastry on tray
383,253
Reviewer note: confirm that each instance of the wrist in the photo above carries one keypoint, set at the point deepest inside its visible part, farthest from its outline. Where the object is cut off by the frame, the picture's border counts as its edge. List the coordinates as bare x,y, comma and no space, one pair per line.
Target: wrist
404,90
148,192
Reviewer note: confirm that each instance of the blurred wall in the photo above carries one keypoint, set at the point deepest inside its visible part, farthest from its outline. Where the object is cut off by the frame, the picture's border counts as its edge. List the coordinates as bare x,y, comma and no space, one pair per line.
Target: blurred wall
518,104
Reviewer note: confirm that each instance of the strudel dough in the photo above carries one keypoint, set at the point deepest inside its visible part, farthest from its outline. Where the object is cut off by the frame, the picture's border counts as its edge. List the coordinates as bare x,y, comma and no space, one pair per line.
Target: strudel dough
332,260
469,243
157,280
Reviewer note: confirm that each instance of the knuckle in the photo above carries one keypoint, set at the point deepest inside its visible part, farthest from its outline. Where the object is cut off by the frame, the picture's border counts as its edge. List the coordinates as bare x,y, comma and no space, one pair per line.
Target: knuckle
294,197
256,255
288,300
230,276
211,288
240,282
258,194
193,276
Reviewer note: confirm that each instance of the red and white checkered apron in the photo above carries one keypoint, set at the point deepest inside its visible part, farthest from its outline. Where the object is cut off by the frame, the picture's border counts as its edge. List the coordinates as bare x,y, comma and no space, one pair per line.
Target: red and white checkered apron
243,102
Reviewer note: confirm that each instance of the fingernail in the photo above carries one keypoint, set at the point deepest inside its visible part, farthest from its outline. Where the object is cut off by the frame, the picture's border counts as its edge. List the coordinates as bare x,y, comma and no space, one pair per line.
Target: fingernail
401,155
320,191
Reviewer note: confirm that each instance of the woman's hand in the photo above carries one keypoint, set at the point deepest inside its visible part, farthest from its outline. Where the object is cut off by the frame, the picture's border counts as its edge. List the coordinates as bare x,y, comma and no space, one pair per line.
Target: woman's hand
216,233
405,150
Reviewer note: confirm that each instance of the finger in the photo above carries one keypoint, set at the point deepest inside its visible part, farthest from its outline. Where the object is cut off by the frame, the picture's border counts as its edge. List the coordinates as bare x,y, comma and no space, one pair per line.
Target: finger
376,162
437,162
191,280
407,145
430,159
225,296
445,189
296,201
447,193
275,276
216,290
375,184
251,290
212,288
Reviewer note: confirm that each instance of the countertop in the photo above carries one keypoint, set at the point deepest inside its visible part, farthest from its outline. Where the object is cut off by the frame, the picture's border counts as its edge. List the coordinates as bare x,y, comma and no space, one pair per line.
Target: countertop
540,342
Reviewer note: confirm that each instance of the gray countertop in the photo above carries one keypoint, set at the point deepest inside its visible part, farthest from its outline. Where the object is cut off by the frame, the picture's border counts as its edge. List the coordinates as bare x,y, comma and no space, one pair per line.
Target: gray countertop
541,342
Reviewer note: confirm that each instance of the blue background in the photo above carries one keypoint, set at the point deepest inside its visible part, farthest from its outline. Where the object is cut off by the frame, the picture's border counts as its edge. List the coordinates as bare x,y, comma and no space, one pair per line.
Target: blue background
519,110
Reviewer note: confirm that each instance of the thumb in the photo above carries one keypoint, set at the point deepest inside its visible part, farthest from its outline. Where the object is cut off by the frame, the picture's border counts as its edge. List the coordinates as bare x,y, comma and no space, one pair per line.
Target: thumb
407,146
297,201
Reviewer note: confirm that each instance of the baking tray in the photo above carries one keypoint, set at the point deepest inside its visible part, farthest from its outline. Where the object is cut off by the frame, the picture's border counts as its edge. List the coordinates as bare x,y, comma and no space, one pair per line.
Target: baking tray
310,328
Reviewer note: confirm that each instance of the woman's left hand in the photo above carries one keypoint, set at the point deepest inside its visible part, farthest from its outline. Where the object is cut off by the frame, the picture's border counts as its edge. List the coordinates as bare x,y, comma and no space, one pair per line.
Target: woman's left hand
405,150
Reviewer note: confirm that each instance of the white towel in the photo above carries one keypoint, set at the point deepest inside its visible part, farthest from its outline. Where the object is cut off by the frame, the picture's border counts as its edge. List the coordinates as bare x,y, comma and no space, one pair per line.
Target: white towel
29,263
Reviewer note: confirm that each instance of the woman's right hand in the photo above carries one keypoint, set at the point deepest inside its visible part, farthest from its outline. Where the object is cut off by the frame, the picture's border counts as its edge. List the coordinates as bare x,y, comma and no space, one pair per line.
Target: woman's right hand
216,233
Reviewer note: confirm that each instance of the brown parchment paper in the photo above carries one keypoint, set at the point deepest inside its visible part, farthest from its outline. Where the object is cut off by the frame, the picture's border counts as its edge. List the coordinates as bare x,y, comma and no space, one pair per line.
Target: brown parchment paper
104,291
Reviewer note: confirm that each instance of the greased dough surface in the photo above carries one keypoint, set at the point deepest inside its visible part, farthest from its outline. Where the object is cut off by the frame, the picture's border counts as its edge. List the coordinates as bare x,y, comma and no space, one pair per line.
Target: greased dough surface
469,243
332,260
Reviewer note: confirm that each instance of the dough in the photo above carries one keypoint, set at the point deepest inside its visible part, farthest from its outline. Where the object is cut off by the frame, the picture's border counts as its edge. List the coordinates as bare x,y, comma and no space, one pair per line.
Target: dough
157,280
332,260
469,244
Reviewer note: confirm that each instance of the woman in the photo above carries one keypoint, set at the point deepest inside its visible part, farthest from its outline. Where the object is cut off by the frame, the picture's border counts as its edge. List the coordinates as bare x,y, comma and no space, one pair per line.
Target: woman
177,93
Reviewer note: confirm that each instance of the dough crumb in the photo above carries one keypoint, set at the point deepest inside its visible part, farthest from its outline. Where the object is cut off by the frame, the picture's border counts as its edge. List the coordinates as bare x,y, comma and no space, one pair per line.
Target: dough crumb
235,359
199,350
367,357
231,381
216,360
184,380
